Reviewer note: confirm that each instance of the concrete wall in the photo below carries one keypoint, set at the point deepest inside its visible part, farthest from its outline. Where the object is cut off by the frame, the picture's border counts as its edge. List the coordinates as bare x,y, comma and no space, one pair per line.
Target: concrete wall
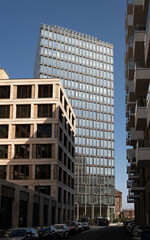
16,195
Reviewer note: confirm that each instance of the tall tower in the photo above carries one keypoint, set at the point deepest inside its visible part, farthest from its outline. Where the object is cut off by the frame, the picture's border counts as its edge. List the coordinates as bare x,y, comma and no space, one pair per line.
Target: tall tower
85,66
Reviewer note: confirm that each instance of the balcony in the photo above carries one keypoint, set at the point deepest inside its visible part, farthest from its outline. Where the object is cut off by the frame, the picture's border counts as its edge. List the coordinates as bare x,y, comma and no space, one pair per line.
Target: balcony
133,195
141,81
129,7
129,24
128,183
131,68
143,153
141,114
139,12
131,158
130,118
132,173
137,187
133,136
138,48
130,200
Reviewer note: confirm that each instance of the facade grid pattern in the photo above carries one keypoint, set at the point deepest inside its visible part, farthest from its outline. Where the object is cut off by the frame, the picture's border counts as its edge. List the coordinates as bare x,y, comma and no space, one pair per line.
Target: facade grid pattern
85,66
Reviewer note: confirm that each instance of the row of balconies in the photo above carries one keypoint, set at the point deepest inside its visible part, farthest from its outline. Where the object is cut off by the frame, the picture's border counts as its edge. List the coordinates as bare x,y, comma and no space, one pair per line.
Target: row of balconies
139,157
137,24
137,75
136,160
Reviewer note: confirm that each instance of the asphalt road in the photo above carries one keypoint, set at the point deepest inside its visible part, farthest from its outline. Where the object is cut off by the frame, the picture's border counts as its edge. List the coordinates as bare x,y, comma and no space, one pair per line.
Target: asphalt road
101,233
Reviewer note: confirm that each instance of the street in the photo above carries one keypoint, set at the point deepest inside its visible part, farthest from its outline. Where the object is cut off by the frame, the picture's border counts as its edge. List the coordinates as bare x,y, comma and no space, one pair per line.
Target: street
101,233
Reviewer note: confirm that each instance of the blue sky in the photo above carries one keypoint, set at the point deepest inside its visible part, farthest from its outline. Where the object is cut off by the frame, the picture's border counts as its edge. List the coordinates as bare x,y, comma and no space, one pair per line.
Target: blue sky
20,24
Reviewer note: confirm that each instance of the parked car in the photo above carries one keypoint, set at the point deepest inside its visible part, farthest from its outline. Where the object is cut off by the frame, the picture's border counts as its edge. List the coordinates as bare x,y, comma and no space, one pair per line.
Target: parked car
85,225
73,227
125,223
130,226
48,233
81,228
102,221
62,230
19,234
142,234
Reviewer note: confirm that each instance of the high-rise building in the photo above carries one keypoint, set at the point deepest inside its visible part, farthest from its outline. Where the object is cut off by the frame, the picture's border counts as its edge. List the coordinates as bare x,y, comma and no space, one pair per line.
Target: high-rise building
137,76
37,126
85,66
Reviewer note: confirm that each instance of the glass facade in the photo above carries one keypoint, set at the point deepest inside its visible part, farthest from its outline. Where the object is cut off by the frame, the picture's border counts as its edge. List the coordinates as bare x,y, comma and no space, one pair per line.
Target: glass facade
85,66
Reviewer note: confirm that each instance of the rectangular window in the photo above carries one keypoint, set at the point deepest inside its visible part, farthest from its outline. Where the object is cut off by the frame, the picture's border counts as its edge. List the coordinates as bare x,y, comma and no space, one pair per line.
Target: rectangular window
3,131
3,151
3,170
21,151
44,130
4,92
43,150
24,91
42,171
60,114
45,110
43,189
23,111
23,131
45,91
21,172
4,111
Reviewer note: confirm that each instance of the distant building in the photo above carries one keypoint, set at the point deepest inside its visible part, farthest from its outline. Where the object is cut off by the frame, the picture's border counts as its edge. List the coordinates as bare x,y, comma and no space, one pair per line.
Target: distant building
37,128
128,213
85,66
118,203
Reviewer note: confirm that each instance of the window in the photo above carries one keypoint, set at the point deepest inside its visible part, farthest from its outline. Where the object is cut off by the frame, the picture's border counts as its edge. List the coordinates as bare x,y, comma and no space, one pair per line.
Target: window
45,110
23,131
60,153
3,170
44,130
3,151
21,172
59,194
4,92
45,91
60,114
21,151
23,111
3,131
24,91
61,95
42,171
4,111
43,189
43,150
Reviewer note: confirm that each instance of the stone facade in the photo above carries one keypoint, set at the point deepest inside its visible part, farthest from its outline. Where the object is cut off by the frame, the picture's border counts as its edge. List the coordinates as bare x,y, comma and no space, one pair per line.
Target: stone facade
37,127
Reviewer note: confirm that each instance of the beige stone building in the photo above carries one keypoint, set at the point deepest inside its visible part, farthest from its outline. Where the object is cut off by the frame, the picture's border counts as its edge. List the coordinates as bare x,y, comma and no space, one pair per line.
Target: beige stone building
37,127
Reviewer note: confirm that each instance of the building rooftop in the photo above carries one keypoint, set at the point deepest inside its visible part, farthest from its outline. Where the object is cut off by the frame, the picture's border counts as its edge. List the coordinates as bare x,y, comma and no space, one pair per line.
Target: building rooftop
65,30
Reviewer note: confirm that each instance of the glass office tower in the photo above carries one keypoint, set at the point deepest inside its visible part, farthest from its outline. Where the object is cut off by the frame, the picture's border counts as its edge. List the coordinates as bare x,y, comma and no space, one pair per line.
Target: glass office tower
85,66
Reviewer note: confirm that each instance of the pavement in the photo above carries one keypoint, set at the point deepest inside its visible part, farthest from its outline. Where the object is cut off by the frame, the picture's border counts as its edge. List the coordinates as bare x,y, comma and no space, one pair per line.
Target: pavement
113,232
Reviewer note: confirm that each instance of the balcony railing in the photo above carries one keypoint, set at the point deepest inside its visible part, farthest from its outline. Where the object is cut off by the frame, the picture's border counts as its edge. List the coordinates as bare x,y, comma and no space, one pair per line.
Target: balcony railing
143,143
141,102
131,64
139,28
